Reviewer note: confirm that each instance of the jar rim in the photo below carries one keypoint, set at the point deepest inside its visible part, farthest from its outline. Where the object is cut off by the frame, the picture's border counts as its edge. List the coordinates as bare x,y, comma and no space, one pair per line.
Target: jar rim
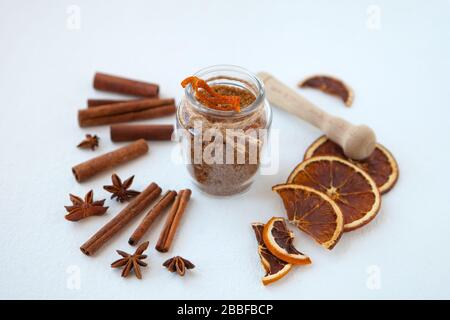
259,86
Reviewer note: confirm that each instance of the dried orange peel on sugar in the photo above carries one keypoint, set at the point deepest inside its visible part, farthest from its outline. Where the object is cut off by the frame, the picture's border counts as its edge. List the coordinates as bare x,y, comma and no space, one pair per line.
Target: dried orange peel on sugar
210,98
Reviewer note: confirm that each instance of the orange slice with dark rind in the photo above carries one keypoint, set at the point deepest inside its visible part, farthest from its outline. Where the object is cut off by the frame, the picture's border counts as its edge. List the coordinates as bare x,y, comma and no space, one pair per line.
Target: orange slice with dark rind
279,240
275,268
380,165
330,85
313,212
350,187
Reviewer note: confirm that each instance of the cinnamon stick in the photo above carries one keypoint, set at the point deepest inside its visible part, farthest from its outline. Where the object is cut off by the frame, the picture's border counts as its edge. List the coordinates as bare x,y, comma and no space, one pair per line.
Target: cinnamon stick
128,132
107,82
123,107
91,103
136,206
126,111
132,116
88,169
147,221
172,221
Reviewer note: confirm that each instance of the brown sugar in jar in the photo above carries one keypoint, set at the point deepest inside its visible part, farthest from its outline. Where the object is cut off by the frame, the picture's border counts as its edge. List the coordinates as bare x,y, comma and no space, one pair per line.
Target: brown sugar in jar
223,148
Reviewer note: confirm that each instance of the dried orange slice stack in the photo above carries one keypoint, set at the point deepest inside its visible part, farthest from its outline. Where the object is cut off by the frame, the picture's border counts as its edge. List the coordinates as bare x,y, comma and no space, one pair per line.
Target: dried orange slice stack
276,250
325,195
351,188
380,165
328,193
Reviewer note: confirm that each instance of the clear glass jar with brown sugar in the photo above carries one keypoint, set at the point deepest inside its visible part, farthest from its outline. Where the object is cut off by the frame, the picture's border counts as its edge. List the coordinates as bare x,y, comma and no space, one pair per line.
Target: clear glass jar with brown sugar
223,148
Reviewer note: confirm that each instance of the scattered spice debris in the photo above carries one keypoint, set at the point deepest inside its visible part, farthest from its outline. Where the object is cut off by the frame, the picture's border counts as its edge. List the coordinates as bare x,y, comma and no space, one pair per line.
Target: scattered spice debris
331,86
83,209
90,142
132,262
120,190
178,264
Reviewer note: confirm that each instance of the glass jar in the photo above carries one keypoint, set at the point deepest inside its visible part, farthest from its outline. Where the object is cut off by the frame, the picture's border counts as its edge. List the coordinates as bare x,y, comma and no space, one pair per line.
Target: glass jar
223,149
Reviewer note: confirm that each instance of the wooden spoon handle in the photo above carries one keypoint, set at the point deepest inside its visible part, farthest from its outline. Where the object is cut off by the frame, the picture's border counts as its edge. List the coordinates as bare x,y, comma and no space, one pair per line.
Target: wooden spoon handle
358,141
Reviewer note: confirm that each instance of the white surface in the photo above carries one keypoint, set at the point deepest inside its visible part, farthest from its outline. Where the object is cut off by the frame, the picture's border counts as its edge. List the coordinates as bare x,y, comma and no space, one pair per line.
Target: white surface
400,76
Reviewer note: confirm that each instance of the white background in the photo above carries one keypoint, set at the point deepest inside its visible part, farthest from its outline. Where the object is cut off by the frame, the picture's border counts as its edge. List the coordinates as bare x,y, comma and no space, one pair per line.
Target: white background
397,63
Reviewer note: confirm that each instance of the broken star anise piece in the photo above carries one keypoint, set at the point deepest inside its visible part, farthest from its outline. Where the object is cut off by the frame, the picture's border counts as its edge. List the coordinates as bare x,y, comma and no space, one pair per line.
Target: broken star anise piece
83,209
132,261
90,142
120,190
178,264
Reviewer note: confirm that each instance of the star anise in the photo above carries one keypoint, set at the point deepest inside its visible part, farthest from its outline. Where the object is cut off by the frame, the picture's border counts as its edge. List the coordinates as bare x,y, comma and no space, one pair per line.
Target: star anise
83,209
132,262
90,142
119,189
179,265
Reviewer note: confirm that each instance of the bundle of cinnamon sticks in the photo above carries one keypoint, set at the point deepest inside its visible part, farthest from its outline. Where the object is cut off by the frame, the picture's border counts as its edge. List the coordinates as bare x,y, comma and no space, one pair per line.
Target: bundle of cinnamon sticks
137,206
107,111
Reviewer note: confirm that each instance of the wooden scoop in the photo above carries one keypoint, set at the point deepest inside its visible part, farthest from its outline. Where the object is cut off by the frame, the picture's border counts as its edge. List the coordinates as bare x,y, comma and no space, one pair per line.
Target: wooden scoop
357,141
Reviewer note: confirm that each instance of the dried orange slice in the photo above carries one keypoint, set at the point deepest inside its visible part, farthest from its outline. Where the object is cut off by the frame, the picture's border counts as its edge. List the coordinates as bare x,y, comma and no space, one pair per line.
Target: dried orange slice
380,165
312,212
330,85
278,239
274,267
350,187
